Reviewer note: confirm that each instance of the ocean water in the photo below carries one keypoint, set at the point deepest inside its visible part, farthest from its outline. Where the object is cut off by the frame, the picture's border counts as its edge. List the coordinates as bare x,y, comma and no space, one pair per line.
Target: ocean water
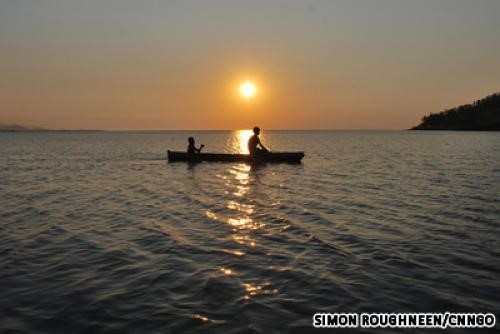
98,233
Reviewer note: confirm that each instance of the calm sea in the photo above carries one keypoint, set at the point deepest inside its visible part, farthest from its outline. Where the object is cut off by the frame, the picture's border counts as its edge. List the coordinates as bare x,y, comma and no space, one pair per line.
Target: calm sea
98,233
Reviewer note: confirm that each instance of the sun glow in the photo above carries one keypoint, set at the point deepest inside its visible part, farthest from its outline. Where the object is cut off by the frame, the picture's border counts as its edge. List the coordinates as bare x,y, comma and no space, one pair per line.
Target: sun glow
248,89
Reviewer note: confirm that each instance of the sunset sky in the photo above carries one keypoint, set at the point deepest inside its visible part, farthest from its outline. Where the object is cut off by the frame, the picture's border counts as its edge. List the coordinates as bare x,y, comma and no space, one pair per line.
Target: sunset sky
350,64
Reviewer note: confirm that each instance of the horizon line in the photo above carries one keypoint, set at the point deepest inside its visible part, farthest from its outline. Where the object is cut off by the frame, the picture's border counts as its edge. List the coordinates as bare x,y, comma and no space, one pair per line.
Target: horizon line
186,130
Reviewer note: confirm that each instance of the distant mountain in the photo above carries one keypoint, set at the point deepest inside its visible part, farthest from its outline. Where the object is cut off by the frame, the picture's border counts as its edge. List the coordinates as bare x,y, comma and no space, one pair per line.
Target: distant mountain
18,128
482,115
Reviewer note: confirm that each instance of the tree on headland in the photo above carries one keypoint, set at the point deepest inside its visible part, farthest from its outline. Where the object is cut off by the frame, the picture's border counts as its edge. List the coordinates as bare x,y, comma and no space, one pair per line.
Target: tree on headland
481,115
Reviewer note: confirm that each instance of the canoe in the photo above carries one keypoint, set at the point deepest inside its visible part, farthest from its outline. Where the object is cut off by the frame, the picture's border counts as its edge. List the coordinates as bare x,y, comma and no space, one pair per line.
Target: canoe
287,157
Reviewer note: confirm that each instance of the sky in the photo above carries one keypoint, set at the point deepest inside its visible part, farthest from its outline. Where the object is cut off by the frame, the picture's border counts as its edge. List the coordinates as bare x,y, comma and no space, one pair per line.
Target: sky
323,64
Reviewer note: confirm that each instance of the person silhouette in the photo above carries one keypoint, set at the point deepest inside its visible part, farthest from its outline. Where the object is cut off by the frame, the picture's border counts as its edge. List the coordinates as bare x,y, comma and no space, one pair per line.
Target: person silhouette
192,150
254,142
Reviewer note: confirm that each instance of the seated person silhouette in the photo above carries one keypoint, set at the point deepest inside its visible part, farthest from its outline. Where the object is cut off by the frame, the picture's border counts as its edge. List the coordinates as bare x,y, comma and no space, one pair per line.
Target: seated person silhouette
254,141
192,150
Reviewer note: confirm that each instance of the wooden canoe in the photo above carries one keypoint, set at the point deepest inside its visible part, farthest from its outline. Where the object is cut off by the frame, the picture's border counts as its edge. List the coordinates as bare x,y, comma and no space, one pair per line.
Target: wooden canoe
286,157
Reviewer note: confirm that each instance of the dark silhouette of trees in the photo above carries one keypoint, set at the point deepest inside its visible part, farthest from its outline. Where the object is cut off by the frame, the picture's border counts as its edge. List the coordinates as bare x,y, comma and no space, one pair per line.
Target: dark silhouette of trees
481,115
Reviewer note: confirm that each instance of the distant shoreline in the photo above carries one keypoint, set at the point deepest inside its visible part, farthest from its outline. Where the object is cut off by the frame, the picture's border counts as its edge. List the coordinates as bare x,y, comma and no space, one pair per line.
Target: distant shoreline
481,115
44,130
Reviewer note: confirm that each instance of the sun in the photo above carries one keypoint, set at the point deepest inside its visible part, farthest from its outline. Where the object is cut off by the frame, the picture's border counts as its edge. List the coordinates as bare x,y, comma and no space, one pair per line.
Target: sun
248,89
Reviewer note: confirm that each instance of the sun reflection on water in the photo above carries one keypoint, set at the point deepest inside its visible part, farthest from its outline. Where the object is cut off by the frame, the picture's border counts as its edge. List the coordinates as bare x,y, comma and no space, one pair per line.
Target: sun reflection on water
245,208
245,224
205,319
244,240
241,182
242,177
239,213
233,252
226,271
254,290
238,142
201,317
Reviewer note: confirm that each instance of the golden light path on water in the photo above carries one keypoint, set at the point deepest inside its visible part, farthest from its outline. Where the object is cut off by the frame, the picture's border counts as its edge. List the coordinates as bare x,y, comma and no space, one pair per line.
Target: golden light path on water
241,210
239,140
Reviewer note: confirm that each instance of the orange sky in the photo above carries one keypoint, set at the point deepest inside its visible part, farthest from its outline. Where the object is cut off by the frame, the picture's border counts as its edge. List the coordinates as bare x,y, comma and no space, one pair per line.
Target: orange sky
177,64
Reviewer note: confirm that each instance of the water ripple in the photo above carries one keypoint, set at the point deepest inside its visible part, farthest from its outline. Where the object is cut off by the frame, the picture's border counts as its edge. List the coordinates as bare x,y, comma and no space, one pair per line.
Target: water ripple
99,234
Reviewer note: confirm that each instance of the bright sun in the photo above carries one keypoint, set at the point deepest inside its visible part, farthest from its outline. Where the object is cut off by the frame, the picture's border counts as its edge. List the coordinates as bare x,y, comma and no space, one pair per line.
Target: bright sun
248,89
